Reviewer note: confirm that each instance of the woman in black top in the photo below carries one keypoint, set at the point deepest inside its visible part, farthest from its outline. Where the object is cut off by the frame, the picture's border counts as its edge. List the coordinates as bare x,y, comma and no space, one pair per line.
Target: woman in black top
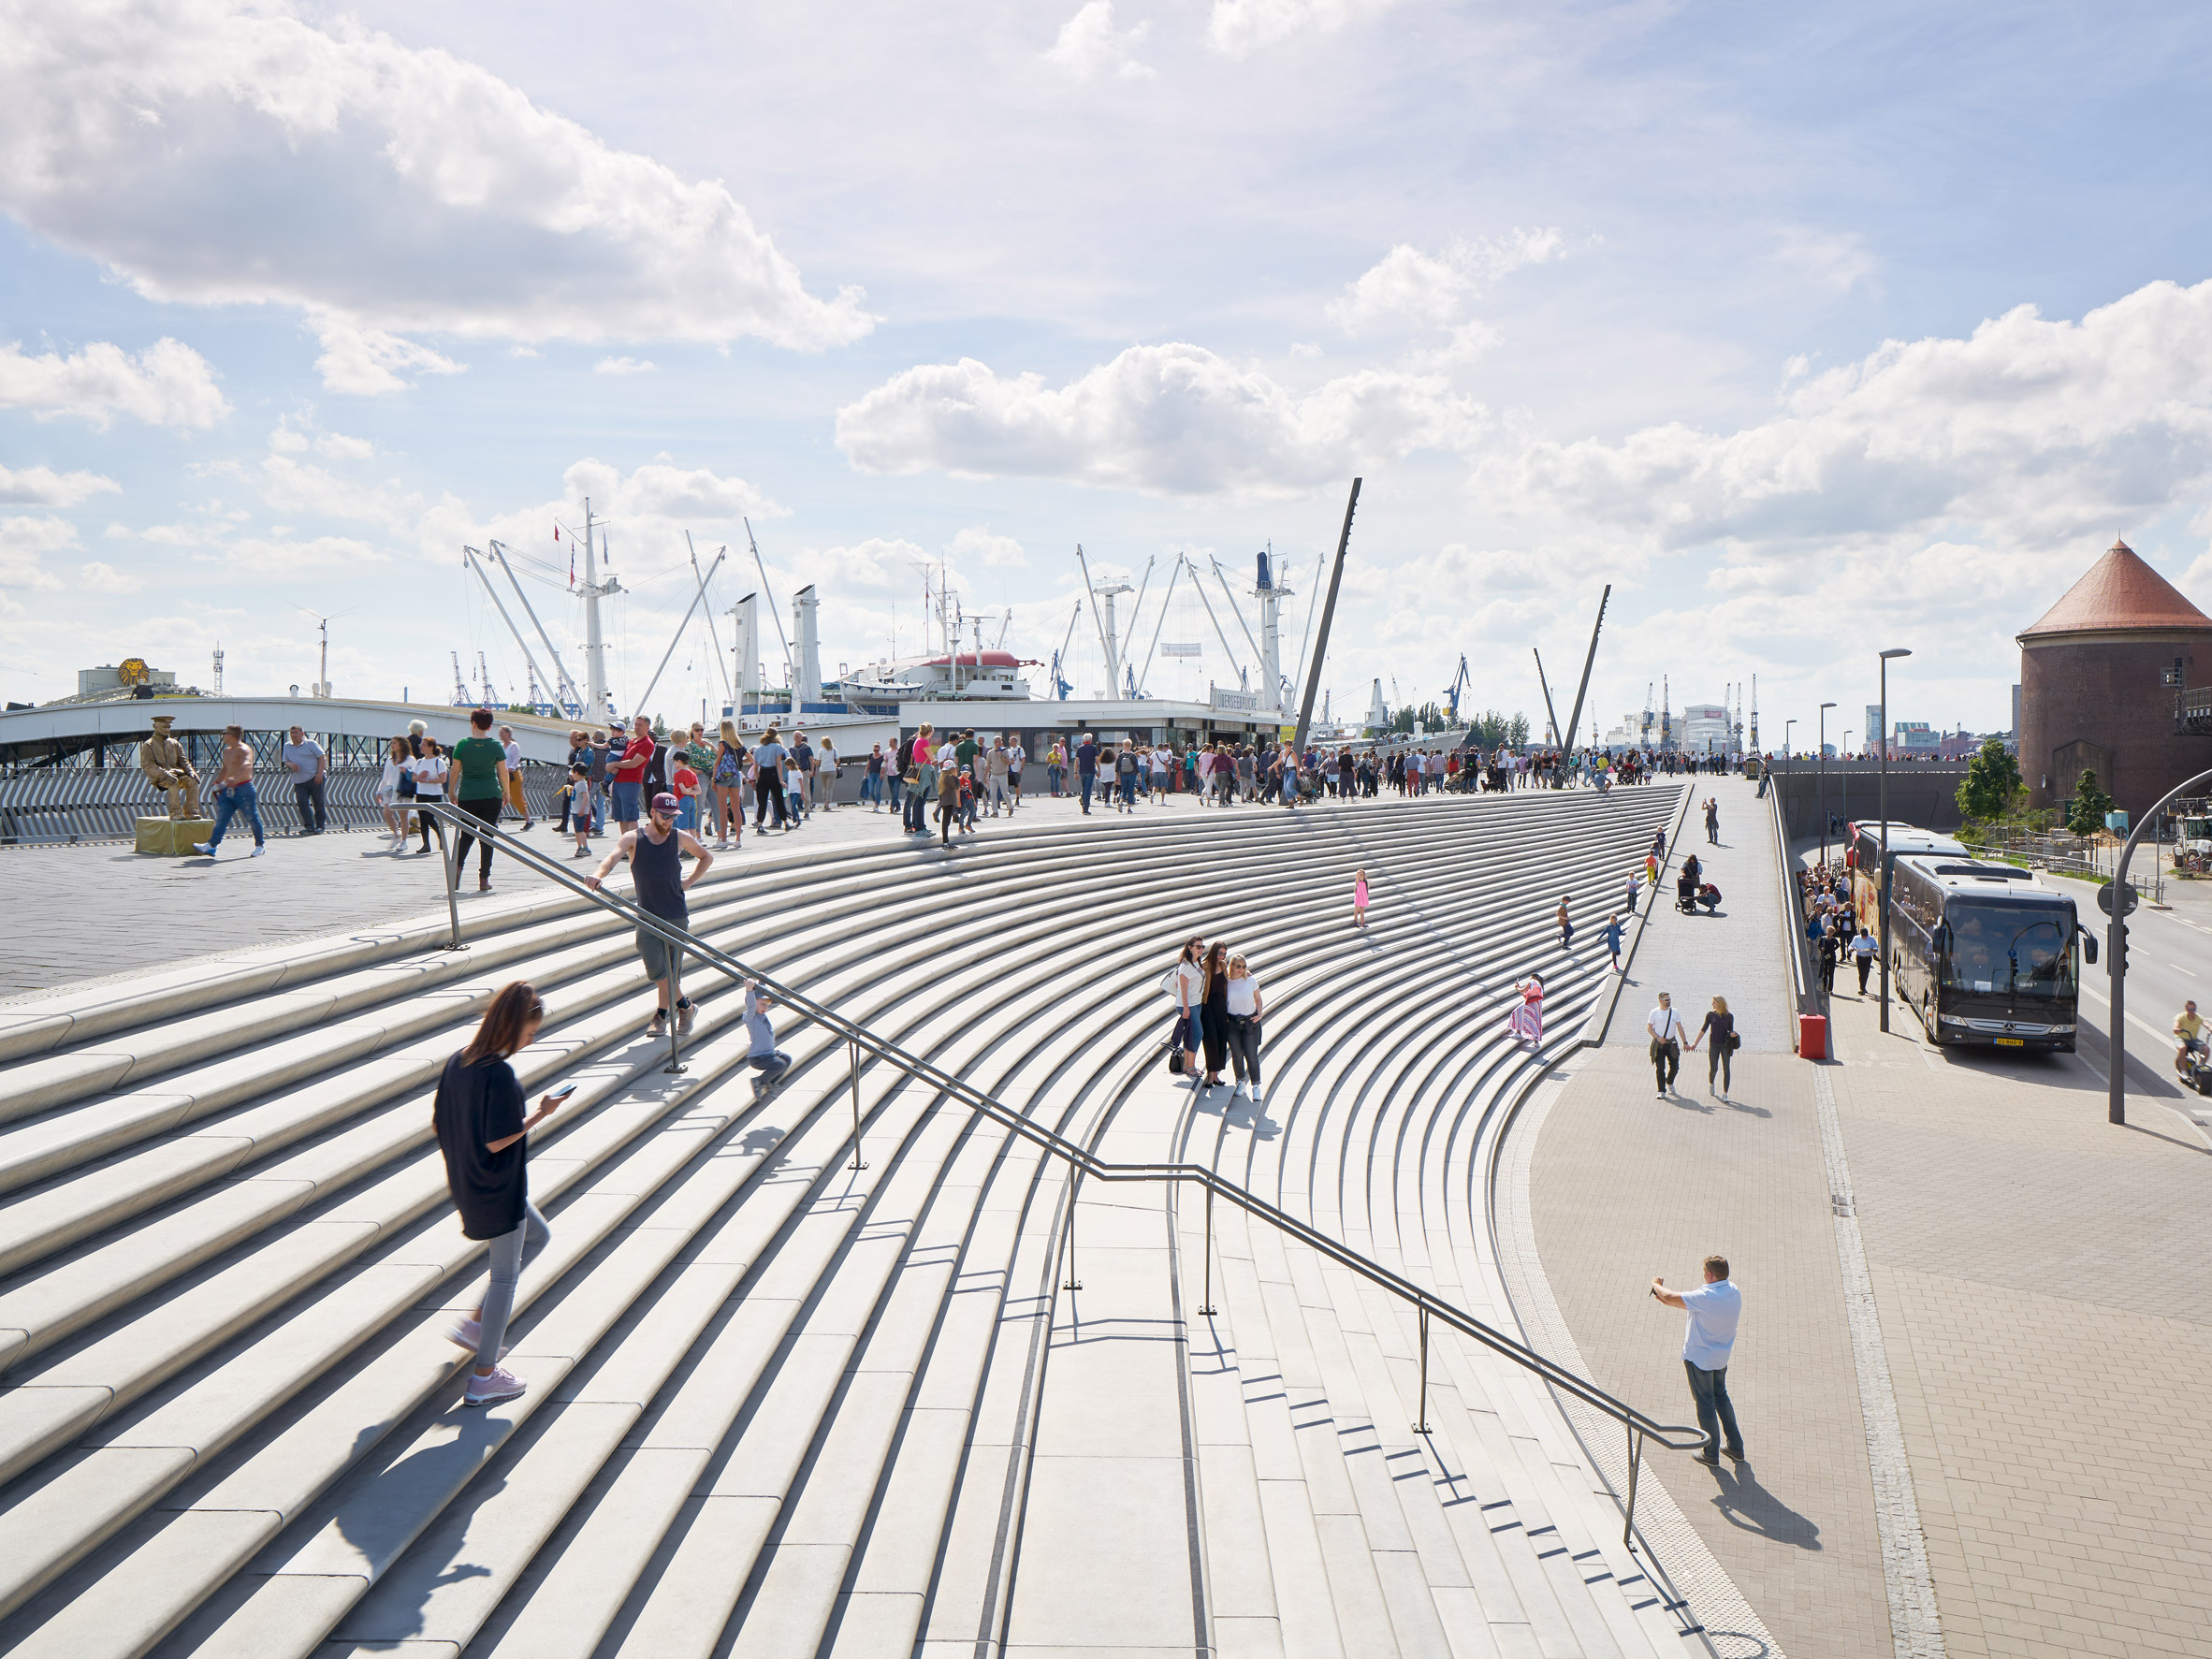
1216,1020
484,1138
1720,1024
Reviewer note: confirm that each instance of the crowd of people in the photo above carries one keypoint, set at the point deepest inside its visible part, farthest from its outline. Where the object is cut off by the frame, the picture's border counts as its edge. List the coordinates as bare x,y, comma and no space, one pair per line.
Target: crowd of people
1832,924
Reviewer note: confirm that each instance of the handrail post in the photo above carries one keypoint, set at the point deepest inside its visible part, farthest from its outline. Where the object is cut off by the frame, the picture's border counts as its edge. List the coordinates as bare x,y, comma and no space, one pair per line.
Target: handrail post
852,1043
675,1014
1074,1192
448,871
1420,1421
1636,1451
1206,1307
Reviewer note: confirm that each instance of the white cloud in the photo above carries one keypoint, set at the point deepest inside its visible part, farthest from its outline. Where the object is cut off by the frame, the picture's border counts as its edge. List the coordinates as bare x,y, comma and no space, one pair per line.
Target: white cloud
2038,430
365,362
649,508
294,486
286,440
42,486
1089,45
1408,288
337,446
25,541
877,563
1167,419
1003,552
97,578
191,145
621,366
1835,261
167,385
1236,27
285,556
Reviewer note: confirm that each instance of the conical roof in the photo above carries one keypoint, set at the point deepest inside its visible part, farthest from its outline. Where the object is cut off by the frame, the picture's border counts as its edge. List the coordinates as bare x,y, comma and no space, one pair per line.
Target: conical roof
2118,593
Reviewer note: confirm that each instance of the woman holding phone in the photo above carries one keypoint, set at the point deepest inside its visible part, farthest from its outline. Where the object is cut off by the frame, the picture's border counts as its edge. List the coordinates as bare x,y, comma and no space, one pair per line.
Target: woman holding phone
484,1138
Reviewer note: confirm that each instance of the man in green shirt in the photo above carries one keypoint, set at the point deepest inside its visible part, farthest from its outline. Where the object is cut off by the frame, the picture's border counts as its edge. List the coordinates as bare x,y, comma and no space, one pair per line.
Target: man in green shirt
478,786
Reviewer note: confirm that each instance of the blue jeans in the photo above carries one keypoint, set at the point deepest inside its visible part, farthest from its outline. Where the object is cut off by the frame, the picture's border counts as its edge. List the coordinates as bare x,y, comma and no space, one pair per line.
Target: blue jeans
238,797
770,1067
1090,782
1716,1412
1129,791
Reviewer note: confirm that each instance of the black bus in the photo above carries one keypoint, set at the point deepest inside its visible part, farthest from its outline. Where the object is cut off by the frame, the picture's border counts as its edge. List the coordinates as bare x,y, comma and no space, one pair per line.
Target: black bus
1984,952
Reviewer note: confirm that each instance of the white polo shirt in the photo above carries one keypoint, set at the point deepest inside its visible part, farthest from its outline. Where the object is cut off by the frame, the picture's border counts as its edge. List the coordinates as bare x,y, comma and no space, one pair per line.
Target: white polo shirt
1710,1334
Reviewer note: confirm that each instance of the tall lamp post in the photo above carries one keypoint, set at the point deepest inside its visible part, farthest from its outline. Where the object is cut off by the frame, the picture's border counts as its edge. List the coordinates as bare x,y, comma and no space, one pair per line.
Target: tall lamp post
1820,771
1882,880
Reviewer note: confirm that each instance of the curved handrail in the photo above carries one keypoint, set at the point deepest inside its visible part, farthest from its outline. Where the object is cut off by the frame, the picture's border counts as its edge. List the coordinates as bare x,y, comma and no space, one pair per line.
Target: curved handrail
1078,1158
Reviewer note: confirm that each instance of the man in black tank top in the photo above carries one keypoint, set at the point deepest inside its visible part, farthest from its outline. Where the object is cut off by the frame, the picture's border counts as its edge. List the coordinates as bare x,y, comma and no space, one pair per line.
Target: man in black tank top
658,883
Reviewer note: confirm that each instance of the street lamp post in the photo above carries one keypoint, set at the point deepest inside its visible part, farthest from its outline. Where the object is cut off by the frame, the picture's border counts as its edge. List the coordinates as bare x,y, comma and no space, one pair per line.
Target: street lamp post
1820,772
1882,884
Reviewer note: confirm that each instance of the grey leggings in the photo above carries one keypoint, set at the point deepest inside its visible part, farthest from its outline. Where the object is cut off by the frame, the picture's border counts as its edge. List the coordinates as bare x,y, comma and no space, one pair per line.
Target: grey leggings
510,1252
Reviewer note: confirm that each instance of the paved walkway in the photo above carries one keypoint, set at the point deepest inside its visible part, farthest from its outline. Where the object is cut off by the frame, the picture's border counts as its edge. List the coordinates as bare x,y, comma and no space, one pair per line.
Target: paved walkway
2041,1306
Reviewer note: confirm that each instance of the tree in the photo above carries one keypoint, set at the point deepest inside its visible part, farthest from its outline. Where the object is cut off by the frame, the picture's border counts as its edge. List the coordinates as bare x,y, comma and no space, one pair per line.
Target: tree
1992,785
2085,813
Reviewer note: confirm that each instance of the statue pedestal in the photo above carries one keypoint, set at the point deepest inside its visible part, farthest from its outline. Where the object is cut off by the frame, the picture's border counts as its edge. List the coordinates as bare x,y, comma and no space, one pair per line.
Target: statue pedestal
173,838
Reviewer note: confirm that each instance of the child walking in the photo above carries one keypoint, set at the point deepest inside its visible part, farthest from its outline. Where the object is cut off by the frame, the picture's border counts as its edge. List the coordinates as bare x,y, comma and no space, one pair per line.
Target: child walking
1359,898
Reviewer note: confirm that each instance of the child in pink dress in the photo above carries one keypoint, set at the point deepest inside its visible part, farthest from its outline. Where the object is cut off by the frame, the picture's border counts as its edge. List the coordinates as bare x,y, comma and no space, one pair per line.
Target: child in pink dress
1527,1022
1359,898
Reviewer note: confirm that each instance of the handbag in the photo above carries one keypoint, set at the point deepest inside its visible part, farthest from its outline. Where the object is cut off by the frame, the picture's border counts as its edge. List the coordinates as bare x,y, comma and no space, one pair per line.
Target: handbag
1174,1058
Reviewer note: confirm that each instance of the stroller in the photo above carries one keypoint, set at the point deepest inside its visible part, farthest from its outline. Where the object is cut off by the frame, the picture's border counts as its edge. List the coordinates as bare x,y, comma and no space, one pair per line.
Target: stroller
1706,895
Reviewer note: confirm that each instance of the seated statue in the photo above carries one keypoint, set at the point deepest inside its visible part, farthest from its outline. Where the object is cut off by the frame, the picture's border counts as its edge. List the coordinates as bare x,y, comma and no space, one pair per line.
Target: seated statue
162,758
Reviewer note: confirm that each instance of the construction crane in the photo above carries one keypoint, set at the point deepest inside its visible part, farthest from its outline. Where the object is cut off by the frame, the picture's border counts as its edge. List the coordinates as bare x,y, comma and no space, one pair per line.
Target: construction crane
460,686
484,676
1452,695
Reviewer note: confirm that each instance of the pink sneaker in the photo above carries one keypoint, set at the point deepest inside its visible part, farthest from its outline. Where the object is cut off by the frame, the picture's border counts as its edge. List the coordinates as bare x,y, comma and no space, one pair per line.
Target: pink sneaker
500,1385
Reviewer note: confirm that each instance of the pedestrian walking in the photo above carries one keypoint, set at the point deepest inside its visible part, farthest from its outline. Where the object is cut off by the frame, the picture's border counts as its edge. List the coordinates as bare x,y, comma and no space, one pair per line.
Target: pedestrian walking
431,769
762,1054
396,755
921,781
767,781
1243,1005
1566,924
479,788
1125,775
517,802
234,793
1359,898
1017,758
658,882
949,781
485,1140
1613,938
1715,1310
1215,1024
1713,820
579,807
1527,1022
728,772
630,766
997,768
1720,1026
1829,947
1056,766
871,778
1190,1000
304,758
1665,1027
1864,949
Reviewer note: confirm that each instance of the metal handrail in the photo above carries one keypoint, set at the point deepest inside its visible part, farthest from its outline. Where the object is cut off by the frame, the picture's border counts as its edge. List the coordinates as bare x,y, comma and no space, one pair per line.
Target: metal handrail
1639,1425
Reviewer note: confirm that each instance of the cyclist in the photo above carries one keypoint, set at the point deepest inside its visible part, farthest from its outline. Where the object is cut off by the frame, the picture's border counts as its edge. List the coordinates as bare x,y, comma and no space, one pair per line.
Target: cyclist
2188,1031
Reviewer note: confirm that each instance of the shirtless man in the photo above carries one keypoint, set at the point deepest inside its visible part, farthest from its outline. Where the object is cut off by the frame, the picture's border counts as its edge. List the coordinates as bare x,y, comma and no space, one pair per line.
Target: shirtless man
234,793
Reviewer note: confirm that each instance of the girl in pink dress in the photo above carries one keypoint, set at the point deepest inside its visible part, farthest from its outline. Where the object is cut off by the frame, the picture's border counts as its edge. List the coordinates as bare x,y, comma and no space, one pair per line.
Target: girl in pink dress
1359,898
1527,1022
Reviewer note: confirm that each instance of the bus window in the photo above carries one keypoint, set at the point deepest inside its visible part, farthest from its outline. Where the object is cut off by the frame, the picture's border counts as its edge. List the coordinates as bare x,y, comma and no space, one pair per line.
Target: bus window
2007,948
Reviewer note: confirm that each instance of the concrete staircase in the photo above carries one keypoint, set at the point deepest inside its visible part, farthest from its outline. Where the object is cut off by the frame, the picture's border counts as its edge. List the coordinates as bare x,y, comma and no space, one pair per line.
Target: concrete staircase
780,1403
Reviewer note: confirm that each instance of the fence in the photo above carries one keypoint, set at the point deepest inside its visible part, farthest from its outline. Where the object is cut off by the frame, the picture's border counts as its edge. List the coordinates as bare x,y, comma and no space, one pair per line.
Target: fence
2065,854
63,807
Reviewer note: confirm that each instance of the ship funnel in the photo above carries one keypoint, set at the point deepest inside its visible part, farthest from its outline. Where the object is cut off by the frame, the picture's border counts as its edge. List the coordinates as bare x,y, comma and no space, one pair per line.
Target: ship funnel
809,668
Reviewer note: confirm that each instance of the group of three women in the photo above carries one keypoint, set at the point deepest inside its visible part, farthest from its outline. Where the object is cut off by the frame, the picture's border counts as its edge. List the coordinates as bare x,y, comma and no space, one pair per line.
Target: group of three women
1217,1007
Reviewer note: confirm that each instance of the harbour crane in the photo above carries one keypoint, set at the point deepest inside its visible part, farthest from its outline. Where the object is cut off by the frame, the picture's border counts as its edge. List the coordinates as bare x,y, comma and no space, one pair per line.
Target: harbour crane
1452,695
460,686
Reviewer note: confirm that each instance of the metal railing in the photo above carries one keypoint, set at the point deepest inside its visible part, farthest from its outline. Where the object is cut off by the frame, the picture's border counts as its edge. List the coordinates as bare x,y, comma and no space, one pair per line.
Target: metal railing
1639,1426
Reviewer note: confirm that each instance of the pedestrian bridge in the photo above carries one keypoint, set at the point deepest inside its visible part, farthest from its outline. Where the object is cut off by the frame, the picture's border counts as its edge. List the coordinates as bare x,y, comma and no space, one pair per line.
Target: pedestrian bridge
854,1370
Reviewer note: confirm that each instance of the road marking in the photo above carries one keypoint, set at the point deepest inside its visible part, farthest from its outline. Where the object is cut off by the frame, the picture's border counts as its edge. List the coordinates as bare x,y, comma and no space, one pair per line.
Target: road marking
2178,969
1916,1626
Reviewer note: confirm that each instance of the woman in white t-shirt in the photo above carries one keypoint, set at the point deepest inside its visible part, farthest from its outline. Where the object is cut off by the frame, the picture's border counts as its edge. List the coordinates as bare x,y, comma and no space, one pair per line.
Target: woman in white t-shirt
399,762
1243,1026
1190,997
429,783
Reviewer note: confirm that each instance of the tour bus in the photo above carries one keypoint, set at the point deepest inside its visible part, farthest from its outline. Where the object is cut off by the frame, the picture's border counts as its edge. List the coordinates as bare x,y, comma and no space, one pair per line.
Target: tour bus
1984,952
1862,851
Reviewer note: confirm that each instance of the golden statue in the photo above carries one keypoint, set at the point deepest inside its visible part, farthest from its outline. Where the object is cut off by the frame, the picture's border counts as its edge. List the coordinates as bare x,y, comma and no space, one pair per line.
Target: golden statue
162,758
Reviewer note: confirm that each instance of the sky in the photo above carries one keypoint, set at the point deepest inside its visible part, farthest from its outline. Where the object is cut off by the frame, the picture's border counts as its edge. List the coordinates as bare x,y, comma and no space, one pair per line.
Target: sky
1812,333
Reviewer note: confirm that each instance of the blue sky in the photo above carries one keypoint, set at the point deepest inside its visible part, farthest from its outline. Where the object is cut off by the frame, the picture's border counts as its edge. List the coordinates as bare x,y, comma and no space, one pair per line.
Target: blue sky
1812,333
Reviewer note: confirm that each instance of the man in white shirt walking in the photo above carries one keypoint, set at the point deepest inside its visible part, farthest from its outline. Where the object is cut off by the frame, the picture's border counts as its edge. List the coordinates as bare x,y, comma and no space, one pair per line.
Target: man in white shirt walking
1665,1027
1715,1308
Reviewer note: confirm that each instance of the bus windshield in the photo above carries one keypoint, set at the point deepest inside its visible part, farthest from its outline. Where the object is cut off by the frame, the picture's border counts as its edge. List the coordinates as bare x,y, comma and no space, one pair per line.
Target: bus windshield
2016,949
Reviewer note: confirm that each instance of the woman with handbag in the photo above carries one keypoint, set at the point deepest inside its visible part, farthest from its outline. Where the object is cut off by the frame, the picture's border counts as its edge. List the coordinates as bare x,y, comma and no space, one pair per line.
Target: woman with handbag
1720,1024
1216,1025
1190,997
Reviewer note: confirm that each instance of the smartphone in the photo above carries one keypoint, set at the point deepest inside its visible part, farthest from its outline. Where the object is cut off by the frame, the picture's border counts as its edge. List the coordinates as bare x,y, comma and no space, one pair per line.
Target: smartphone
564,1092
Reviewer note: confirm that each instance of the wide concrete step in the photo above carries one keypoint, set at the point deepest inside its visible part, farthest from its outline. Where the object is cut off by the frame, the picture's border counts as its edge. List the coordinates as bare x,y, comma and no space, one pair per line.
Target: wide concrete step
1011,978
